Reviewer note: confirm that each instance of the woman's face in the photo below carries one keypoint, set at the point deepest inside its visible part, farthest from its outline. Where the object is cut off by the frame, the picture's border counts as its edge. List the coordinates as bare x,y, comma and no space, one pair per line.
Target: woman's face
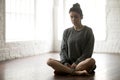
75,18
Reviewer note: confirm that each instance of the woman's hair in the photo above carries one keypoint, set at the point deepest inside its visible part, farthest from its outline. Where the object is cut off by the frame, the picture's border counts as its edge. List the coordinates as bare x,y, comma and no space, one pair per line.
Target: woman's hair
76,8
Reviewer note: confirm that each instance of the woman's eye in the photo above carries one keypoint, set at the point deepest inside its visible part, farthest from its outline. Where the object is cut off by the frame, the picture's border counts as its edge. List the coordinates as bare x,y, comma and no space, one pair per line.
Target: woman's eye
74,16
71,16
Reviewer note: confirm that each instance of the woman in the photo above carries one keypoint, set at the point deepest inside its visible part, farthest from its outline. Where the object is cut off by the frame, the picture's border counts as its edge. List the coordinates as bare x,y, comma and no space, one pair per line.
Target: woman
77,47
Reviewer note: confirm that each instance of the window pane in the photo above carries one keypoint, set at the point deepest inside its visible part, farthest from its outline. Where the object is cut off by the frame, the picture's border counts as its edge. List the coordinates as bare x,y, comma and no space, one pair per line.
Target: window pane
19,20
44,20
28,20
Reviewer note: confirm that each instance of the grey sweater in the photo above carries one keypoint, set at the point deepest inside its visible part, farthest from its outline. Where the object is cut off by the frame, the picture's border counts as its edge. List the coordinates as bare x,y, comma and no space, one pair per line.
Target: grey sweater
76,45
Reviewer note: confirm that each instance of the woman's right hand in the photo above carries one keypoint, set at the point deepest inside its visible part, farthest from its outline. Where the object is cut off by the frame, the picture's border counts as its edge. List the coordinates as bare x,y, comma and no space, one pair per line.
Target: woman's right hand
73,66
67,64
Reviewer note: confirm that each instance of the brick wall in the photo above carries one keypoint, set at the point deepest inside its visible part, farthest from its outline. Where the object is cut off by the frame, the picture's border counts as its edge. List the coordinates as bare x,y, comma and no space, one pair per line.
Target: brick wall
112,42
18,49
23,49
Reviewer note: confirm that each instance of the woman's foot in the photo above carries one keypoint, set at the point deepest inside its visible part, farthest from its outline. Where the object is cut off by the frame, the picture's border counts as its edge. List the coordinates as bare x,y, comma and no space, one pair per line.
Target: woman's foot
84,72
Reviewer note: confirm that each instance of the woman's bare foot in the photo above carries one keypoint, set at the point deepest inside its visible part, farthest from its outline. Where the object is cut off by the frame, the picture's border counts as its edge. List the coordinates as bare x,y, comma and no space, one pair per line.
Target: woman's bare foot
84,72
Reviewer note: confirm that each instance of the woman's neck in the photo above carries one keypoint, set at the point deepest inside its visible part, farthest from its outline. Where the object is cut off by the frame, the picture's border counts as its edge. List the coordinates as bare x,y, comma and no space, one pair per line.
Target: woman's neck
78,27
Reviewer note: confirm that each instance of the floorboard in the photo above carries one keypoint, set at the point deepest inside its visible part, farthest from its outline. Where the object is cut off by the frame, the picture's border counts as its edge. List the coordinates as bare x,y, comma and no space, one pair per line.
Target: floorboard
35,68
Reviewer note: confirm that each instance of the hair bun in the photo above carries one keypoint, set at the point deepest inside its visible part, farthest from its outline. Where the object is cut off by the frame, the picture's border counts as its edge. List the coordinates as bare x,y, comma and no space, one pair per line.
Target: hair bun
76,5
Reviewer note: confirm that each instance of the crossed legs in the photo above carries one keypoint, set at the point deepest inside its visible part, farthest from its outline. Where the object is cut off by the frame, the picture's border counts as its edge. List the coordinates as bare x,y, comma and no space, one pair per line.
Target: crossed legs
57,66
82,68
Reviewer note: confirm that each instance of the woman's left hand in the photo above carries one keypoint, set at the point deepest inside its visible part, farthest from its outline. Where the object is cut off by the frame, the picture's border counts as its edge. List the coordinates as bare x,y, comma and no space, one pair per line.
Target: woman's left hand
73,66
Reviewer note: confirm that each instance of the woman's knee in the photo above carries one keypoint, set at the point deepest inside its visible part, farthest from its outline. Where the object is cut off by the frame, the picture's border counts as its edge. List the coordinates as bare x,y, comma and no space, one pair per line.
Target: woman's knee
90,61
50,61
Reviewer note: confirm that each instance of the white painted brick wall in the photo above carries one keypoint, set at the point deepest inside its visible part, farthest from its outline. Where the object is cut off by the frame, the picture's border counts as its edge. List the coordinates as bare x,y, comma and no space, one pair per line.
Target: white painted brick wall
23,49
112,42
18,49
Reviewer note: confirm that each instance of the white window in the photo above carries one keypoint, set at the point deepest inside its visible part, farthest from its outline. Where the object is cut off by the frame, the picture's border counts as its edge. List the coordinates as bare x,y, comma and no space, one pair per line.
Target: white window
33,19
19,20
44,20
28,20
93,16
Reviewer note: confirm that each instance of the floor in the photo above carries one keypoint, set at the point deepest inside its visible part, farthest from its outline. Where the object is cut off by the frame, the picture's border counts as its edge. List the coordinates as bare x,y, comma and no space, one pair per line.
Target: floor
35,68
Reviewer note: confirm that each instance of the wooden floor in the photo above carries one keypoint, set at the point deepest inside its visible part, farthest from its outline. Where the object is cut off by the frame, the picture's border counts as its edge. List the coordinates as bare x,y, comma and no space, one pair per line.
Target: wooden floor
35,68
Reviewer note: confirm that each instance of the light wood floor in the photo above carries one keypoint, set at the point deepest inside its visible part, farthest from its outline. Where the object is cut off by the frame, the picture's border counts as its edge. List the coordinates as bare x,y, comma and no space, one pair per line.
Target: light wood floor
35,68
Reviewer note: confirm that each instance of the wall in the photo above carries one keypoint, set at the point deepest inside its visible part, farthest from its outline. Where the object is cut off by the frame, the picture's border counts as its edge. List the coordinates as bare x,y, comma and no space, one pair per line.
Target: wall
30,48
19,49
112,42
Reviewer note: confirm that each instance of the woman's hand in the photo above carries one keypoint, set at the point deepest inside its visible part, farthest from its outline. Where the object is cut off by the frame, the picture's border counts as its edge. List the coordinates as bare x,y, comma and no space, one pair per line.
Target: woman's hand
67,64
73,66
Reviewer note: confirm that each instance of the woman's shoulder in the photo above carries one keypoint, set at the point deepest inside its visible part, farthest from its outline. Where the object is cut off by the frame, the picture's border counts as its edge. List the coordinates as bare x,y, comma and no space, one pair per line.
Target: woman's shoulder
68,29
87,28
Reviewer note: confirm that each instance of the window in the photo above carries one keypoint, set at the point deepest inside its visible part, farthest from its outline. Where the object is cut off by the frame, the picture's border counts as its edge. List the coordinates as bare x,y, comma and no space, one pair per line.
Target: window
33,19
28,20
44,20
19,20
93,16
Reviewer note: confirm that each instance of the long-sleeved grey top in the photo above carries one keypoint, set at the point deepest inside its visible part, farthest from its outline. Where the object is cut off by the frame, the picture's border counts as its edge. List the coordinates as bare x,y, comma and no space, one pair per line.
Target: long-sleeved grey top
76,45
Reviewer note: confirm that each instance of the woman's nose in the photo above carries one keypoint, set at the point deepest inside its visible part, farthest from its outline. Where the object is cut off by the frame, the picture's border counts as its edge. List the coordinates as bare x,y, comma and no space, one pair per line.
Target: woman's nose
73,19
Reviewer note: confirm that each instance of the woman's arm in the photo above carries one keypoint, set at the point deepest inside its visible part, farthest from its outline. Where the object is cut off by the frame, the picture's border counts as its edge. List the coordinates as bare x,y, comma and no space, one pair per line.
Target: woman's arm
63,52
